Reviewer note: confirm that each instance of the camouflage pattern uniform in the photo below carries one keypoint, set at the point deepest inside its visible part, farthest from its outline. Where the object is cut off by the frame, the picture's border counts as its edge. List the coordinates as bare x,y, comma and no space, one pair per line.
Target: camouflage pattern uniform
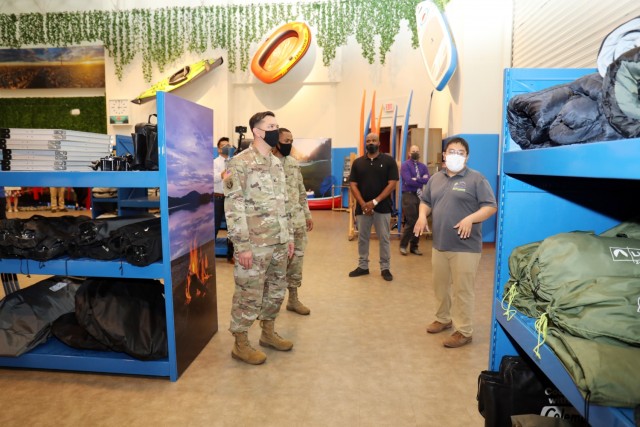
298,210
257,221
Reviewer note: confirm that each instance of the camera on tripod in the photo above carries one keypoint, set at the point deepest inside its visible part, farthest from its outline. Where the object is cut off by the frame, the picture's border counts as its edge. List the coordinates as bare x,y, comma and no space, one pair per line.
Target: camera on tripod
241,129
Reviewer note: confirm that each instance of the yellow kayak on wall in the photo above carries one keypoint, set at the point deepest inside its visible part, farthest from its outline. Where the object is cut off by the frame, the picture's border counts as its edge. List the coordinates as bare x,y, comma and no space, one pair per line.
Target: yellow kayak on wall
178,79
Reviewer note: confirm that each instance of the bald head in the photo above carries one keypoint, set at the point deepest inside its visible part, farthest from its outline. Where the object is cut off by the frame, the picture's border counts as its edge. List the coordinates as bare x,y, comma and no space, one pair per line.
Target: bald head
373,138
373,144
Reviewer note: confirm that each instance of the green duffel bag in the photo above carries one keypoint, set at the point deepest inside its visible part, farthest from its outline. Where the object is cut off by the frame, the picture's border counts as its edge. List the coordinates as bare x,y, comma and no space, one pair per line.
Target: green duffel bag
567,257
596,308
607,373
518,291
629,229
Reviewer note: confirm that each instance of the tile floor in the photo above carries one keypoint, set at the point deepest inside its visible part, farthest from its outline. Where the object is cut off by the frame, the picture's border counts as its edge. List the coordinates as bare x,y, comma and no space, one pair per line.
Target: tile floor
362,358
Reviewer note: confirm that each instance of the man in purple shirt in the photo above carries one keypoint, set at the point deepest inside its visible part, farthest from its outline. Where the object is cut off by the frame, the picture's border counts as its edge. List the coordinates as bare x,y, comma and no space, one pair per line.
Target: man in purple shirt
414,176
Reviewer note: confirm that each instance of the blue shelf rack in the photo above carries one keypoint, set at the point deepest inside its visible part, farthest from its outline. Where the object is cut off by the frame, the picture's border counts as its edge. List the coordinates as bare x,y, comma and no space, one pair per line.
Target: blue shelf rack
548,191
181,352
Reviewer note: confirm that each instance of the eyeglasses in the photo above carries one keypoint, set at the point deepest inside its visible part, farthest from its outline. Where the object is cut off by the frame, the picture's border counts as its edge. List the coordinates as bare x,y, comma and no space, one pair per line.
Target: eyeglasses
458,152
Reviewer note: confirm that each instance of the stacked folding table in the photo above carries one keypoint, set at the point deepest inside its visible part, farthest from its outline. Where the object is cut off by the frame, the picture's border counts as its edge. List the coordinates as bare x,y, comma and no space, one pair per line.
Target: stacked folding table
51,149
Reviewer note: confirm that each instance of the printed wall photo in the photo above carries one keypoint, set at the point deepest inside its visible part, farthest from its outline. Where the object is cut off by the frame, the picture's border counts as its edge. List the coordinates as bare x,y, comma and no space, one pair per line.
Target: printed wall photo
189,153
314,156
52,68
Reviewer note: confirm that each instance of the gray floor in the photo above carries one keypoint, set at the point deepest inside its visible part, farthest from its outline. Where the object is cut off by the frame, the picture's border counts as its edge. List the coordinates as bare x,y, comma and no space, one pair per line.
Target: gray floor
362,358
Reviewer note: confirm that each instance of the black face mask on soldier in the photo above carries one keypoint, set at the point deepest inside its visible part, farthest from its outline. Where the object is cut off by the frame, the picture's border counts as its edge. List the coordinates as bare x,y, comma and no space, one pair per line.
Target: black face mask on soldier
285,149
372,148
271,137
415,156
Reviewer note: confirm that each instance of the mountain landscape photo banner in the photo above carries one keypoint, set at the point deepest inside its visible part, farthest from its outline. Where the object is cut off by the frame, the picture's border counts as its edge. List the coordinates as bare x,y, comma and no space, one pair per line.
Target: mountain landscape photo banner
314,156
52,68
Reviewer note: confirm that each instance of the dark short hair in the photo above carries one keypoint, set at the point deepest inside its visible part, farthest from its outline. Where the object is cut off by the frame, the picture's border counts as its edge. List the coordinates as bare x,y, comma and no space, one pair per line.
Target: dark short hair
258,117
221,140
283,130
459,140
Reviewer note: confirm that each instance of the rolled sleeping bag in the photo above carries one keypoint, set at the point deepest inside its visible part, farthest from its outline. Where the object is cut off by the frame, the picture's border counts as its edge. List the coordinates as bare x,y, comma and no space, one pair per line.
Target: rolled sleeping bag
620,101
622,39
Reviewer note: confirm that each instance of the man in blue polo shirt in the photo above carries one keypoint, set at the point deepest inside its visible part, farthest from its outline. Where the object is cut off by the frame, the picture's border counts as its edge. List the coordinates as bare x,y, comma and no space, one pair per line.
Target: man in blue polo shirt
460,200
373,177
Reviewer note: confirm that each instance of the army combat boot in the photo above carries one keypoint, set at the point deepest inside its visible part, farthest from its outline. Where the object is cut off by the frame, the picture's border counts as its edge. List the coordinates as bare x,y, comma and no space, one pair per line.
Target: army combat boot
270,338
293,304
242,350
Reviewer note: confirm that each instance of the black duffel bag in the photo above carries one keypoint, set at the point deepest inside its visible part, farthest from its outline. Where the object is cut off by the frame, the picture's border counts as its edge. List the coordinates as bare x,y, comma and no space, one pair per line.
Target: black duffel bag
139,243
126,315
518,389
93,237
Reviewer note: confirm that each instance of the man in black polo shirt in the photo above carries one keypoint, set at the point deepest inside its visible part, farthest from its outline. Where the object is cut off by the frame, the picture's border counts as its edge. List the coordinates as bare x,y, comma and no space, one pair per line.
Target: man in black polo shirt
373,177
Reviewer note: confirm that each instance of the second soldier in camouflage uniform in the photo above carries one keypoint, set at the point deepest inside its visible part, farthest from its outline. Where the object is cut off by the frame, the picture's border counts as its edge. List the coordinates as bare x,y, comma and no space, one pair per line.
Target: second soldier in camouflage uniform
298,210
261,232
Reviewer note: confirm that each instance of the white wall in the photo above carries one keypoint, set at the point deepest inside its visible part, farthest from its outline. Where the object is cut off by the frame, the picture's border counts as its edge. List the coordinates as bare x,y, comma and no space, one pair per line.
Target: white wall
328,103
482,33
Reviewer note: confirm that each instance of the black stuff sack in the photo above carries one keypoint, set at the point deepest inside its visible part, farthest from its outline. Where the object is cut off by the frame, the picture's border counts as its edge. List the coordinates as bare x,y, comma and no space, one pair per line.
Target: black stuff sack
145,146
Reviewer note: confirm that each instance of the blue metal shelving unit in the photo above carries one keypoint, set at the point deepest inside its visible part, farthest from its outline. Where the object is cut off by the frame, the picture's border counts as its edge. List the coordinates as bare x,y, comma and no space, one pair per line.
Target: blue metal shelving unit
55,355
548,191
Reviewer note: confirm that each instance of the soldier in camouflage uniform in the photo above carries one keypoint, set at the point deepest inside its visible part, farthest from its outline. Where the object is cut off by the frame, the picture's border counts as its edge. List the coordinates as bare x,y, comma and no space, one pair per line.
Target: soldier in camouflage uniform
298,210
261,232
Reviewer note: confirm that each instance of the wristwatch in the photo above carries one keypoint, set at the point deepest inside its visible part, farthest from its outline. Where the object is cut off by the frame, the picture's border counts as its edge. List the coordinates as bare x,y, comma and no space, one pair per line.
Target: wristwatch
375,202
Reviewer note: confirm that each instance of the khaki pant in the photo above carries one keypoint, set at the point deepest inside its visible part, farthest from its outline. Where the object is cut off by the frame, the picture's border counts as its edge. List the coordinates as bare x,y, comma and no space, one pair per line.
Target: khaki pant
454,276
57,197
259,290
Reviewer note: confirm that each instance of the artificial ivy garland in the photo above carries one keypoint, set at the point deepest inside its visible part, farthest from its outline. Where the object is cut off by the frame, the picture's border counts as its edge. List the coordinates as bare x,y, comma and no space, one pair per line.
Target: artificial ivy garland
162,36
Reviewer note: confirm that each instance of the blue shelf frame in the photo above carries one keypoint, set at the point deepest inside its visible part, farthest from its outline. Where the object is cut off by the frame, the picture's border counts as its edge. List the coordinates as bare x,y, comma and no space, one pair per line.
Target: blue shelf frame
81,267
57,356
534,205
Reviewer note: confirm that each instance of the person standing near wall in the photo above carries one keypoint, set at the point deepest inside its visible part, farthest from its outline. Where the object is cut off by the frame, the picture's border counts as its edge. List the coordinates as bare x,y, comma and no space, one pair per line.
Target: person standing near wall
414,176
298,210
57,199
460,199
13,195
3,204
262,234
373,177
219,173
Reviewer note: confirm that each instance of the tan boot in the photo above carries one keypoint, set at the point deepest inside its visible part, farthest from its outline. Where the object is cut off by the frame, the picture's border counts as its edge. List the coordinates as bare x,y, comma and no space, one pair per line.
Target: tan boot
242,350
293,304
270,338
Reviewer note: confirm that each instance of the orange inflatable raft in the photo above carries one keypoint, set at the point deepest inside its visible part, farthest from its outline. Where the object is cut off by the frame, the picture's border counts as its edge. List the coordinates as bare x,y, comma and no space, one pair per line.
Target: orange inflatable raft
281,51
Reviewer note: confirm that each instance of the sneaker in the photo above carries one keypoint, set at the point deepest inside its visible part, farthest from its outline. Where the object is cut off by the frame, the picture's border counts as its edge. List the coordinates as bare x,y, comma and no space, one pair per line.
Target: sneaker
456,340
436,327
54,210
416,251
63,210
386,275
359,272
403,251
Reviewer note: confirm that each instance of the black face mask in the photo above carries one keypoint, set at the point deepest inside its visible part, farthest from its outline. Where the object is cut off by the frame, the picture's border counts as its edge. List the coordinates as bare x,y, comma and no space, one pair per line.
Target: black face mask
271,137
372,148
415,156
285,149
